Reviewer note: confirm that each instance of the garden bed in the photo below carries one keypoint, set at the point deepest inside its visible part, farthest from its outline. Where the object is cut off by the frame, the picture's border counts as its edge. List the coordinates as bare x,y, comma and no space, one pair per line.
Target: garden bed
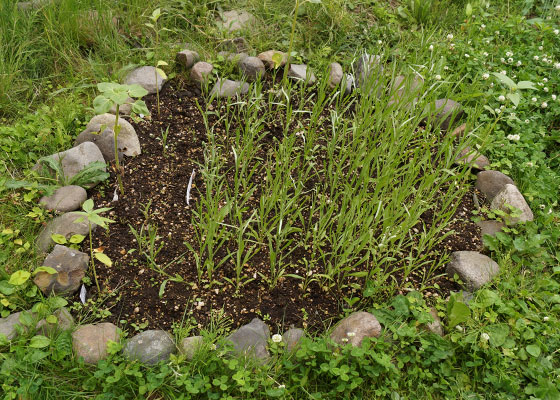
160,290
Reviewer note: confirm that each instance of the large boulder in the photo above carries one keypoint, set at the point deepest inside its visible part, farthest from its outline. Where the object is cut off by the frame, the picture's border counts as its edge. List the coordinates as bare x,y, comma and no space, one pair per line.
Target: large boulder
508,197
66,225
474,269
76,159
490,183
251,339
355,328
127,143
64,199
90,341
71,266
147,77
150,347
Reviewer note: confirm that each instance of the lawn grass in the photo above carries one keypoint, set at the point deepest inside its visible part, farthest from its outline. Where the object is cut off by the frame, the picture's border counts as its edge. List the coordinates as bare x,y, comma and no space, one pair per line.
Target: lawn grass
50,61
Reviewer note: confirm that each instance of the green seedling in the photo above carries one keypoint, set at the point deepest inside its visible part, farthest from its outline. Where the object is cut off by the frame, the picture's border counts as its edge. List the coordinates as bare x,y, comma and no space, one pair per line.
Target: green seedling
115,94
158,71
514,95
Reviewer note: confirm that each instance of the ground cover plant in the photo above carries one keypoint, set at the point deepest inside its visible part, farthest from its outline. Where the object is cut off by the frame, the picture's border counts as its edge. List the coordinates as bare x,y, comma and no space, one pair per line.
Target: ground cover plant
244,195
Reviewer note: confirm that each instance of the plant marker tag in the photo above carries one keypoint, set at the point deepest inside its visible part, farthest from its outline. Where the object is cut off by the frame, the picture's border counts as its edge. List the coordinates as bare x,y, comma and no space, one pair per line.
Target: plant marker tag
188,195
115,195
83,294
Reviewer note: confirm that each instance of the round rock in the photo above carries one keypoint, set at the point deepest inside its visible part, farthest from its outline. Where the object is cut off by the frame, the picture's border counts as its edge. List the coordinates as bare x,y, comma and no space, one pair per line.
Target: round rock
251,339
150,347
64,199
228,88
200,72
335,75
11,326
473,268
236,20
187,58
70,265
355,328
292,337
490,183
435,326
104,140
508,197
252,68
65,225
443,113
64,322
128,141
471,157
90,341
302,72
266,58
368,67
190,345
147,77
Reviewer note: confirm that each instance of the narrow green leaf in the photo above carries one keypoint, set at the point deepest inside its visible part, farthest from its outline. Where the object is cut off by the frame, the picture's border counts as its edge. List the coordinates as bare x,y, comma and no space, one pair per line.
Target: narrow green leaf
104,259
48,270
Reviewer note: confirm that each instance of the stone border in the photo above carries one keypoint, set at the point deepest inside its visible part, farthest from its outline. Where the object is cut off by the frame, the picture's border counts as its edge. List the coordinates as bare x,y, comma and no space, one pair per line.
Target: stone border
91,341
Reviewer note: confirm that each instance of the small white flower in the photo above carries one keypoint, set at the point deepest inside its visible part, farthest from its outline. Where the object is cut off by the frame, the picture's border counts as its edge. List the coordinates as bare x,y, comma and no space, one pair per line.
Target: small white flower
530,164
213,346
466,55
512,115
450,36
509,54
527,121
502,98
459,328
482,26
485,76
485,337
510,60
485,54
545,89
497,111
431,47
503,60
545,80
277,338
557,8
553,97
345,340
438,77
556,31
545,60
536,58
544,104
281,386
491,84
351,334
540,84
534,99
502,107
497,32
445,68
379,42
518,63
514,138
540,47
452,46
546,319
557,65
503,72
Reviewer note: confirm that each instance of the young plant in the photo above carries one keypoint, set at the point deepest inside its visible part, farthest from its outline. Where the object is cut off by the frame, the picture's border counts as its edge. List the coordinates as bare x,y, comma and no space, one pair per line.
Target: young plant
158,71
513,87
94,217
115,94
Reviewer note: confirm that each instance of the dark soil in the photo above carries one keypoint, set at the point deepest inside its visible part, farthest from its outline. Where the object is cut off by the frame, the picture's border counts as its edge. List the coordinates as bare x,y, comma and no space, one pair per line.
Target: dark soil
161,179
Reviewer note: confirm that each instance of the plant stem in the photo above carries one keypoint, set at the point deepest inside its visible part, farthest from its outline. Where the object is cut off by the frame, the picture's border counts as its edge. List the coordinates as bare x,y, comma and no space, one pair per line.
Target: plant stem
116,130
93,258
292,34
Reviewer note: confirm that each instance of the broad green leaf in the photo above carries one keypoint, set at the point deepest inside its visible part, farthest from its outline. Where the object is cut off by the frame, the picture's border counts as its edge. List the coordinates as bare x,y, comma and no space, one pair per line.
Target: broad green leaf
139,107
157,13
505,80
160,63
6,289
459,313
99,220
468,10
526,85
76,239
498,334
149,25
277,59
161,73
104,259
19,277
118,97
136,91
106,87
533,350
39,341
88,205
48,270
58,238
26,319
51,319
57,302
101,104
514,97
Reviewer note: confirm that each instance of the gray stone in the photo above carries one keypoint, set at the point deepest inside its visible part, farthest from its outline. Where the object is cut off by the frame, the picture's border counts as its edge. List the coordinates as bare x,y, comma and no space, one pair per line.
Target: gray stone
200,73
252,68
64,199
64,322
335,75
459,132
150,347
443,112
266,58
128,141
490,183
187,58
64,225
435,326
355,328
90,341
124,109
302,72
511,196
406,88
348,84
104,140
31,5
473,268
71,266
473,158
490,227
251,339
236,20
292,337
190,345
147,77
11,325
236,45
233,57
368,67
76,158
229,88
